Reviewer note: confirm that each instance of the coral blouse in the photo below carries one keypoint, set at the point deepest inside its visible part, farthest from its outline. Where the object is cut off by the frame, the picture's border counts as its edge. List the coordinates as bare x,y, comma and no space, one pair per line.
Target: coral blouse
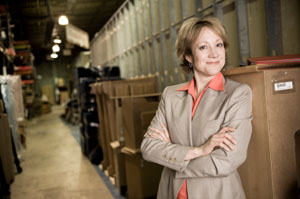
216,84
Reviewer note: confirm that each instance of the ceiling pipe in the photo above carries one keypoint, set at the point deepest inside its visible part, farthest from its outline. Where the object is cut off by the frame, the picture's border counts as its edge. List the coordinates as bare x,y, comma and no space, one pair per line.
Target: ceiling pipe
50,25
49,9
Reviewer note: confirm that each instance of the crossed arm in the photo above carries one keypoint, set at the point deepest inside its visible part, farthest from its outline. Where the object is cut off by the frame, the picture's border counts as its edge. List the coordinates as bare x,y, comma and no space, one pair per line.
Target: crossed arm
221,139
220,155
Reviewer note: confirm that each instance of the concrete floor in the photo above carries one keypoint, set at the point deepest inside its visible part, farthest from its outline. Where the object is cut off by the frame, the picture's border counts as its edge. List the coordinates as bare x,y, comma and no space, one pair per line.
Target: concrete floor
54,166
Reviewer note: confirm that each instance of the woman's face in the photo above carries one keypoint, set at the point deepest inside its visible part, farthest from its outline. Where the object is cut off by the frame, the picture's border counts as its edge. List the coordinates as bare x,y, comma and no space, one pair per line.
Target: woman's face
208,53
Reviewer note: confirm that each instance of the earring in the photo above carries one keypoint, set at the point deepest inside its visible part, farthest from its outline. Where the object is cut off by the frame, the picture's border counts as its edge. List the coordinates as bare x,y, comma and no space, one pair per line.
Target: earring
190,65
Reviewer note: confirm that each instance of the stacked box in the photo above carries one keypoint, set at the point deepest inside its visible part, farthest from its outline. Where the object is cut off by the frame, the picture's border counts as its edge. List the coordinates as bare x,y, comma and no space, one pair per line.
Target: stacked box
88,112
142,176
90,124
138,113
89,120
109,97
63,97
270,169
87,102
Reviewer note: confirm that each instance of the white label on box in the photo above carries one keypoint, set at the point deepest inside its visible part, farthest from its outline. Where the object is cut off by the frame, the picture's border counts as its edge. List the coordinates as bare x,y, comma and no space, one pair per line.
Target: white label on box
283,86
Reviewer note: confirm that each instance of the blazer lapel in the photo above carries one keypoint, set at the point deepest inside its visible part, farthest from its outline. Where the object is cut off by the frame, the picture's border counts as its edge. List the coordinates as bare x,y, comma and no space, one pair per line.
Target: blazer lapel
209,103
209,108
208,98
181,115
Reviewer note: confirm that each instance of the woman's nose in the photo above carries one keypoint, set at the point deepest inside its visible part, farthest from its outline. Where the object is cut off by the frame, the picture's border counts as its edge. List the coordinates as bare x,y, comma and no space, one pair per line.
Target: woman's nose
212,52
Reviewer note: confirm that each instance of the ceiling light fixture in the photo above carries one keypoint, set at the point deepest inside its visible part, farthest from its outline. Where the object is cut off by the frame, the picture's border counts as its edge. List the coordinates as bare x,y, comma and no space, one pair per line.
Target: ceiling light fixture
63,20
54,55
57,41
55,48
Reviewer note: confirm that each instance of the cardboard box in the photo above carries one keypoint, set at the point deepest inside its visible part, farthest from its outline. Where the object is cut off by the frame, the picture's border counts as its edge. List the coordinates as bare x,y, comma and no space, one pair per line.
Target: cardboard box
45,108
142,177
137,115
60,82
6,153
109,103
270,169
48,90
297,150
119,167
275,59
63,96
103,133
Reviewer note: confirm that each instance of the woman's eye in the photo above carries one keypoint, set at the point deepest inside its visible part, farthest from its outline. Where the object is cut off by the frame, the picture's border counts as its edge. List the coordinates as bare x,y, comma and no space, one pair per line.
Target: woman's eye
220,45
202,47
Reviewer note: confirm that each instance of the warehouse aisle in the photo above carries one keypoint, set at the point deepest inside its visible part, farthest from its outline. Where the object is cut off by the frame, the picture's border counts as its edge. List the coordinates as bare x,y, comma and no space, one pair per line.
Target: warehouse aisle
54,166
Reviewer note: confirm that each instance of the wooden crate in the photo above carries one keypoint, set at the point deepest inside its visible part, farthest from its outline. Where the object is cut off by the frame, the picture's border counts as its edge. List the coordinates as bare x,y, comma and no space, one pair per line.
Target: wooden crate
138,112
270,169
142,177
109,103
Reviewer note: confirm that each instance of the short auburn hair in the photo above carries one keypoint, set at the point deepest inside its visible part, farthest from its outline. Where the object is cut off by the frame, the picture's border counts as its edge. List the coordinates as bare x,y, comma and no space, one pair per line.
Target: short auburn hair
188,33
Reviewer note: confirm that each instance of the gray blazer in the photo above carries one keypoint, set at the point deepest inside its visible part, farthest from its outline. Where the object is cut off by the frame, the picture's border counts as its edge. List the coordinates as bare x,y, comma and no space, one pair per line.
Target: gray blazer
213,176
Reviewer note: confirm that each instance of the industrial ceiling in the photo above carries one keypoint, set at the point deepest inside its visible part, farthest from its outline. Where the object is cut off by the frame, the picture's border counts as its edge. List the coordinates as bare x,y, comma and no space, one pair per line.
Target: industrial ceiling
37,20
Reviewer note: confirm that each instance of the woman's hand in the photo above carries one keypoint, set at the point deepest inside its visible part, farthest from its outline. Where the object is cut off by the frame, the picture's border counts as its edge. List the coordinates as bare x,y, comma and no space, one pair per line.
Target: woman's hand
161,135
222,139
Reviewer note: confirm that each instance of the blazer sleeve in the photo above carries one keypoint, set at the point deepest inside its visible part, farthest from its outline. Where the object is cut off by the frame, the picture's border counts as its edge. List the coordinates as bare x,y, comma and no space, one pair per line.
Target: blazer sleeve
154,150
221,163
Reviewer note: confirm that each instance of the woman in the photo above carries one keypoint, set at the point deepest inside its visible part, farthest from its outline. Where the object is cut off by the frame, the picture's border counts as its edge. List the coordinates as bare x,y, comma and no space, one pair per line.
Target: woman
202,128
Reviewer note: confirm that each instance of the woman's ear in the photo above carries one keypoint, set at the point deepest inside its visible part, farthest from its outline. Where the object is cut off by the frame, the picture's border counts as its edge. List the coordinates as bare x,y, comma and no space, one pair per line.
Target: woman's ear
188,58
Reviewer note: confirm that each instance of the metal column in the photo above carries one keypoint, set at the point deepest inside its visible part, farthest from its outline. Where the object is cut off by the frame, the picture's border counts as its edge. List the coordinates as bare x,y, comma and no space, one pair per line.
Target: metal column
173,37
155,26
163,24
218,10
273,19
242,22
198,7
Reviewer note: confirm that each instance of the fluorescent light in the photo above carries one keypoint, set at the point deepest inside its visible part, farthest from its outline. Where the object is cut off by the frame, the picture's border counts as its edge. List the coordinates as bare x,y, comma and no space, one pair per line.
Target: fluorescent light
55,48
54,55
57,41
63,20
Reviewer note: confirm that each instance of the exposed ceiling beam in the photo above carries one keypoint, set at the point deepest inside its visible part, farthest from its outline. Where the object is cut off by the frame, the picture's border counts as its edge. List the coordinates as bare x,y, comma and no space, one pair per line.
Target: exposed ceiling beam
50,25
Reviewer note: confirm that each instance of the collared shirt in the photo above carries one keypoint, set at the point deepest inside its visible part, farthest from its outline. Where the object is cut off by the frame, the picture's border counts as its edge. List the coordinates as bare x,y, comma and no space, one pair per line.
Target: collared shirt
216,84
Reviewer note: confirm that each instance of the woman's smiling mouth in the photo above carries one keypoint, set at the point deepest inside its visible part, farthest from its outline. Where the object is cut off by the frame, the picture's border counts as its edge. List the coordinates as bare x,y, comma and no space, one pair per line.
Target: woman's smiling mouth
215,62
